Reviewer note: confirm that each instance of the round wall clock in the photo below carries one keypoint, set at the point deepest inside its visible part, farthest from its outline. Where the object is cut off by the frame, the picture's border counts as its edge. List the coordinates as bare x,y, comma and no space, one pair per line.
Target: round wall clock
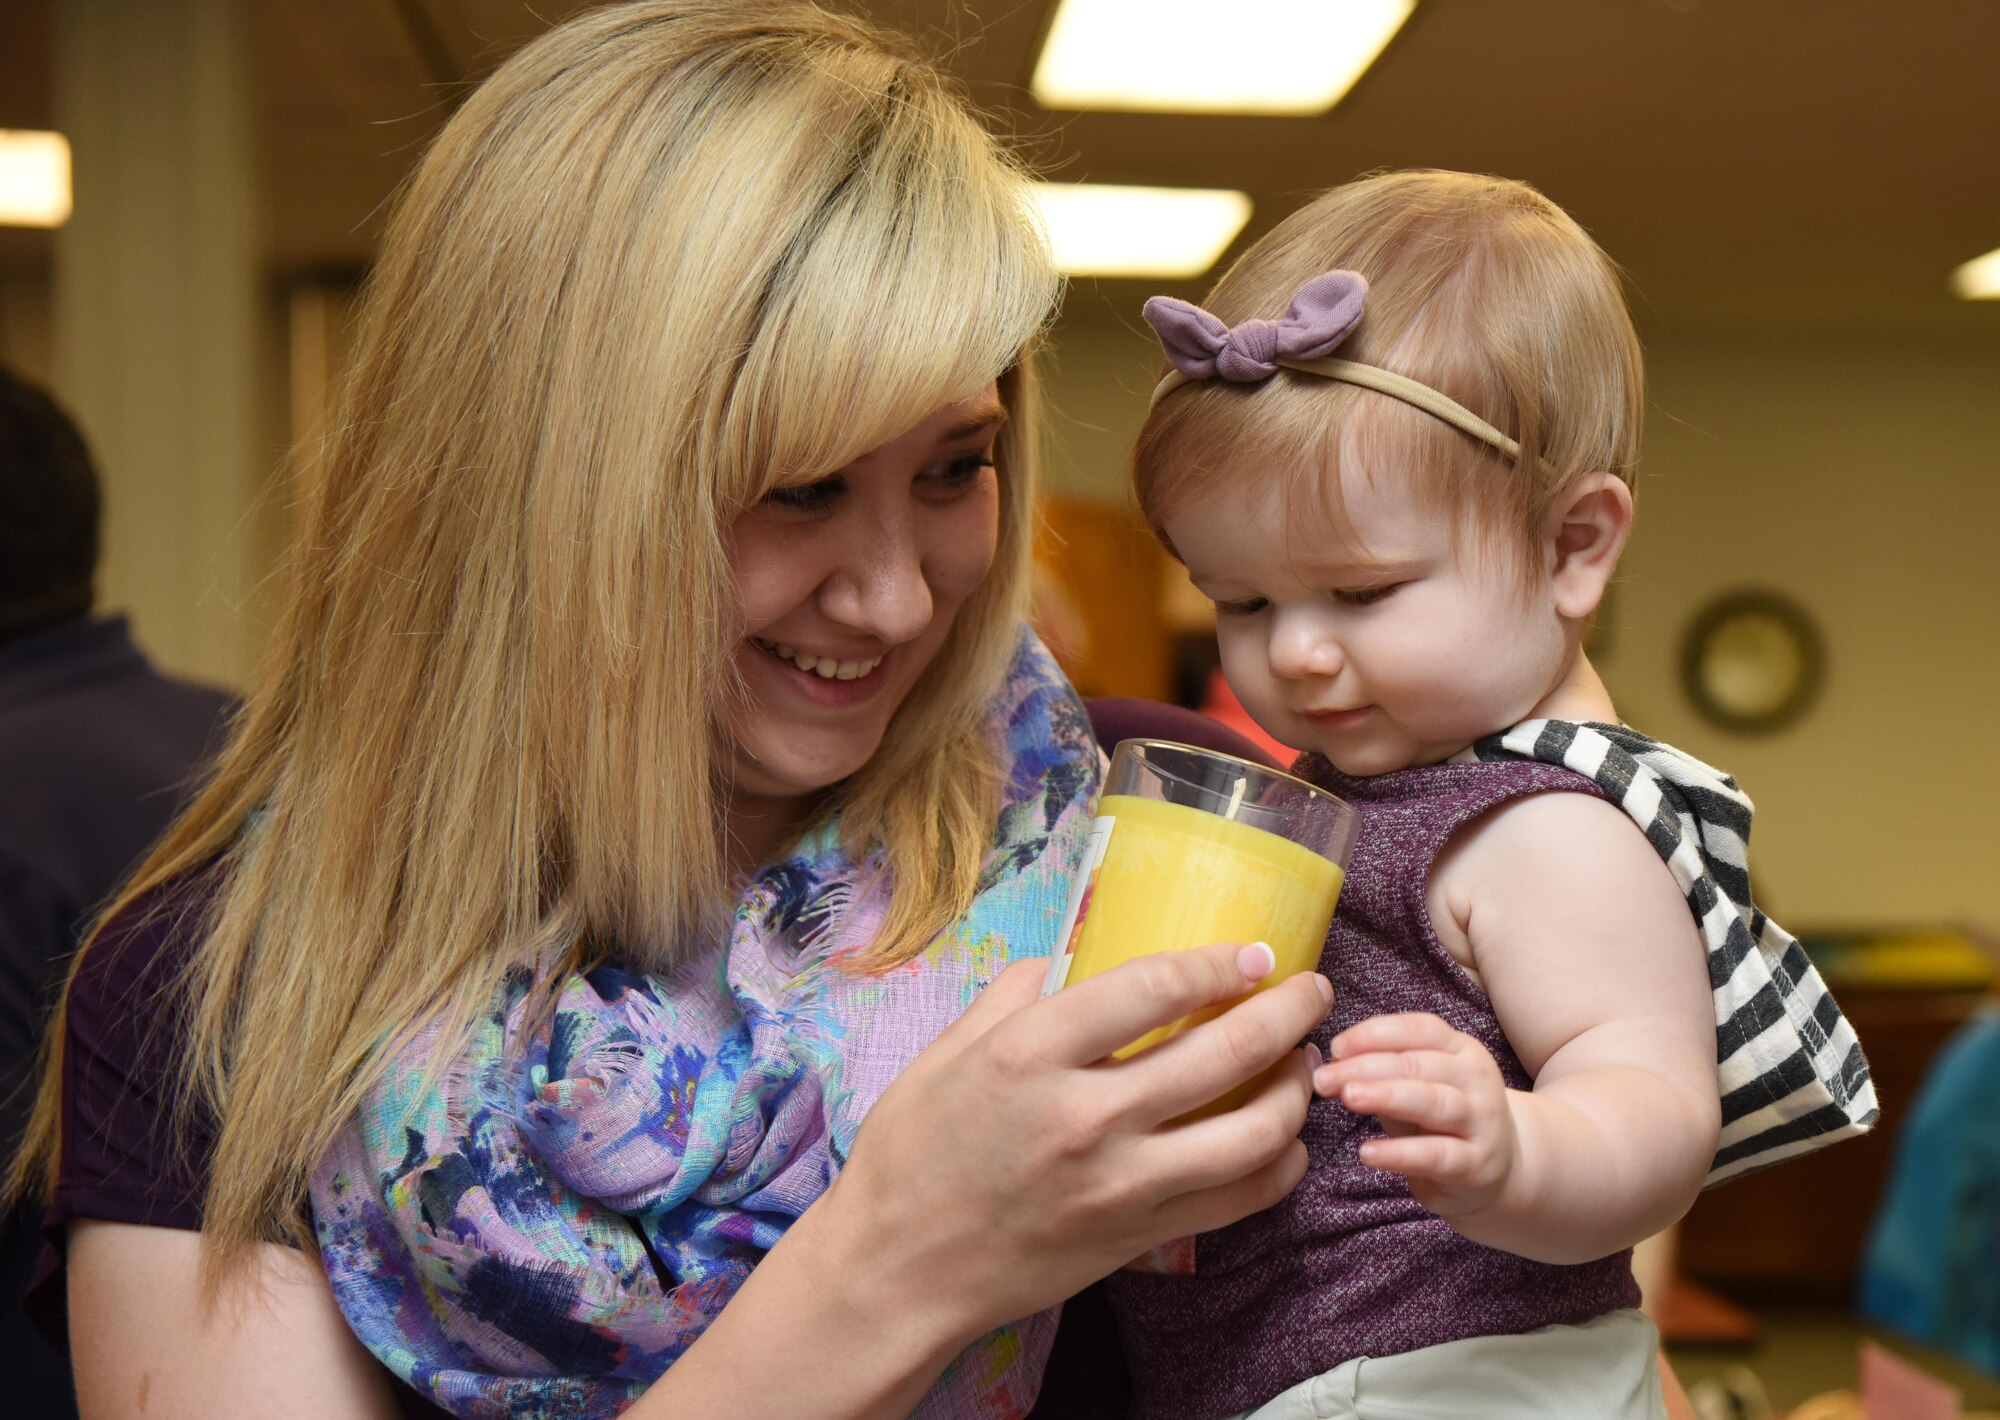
1752,661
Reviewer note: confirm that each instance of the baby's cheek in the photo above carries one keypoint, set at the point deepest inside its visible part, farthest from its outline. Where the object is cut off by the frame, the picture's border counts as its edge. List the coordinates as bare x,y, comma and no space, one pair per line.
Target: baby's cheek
1249,676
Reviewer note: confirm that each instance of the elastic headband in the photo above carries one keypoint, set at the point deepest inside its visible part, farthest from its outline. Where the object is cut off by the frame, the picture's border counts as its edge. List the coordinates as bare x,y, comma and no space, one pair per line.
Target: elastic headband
1322,314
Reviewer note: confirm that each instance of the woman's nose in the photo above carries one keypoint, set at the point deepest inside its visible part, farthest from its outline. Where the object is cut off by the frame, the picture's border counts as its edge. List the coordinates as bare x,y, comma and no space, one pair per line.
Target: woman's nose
879,588
1301,648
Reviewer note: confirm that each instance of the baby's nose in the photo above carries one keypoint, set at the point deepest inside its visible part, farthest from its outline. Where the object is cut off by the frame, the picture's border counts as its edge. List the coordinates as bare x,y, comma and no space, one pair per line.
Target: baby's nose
1300,650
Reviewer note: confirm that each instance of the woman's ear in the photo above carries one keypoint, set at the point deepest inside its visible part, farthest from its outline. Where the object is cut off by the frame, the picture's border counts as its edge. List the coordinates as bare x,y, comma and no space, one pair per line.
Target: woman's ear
1587,528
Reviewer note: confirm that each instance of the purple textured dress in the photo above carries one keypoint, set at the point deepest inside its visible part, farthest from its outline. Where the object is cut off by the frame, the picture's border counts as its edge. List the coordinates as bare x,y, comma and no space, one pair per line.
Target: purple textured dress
1350,1264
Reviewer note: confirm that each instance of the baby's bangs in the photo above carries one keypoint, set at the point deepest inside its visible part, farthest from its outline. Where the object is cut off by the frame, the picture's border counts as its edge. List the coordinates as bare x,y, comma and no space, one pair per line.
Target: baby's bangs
1227,444
921,279
1454,477
1297,433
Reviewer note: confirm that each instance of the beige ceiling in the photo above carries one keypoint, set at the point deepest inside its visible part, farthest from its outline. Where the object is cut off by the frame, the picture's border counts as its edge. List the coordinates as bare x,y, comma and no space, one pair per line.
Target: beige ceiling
1757,163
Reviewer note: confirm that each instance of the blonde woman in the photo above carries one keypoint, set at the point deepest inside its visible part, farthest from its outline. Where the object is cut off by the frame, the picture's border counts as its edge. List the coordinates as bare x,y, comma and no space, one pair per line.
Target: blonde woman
650,775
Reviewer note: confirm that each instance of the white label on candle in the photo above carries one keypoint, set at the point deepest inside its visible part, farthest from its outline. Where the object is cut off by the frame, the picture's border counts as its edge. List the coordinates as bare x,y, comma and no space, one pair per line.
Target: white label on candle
1079,903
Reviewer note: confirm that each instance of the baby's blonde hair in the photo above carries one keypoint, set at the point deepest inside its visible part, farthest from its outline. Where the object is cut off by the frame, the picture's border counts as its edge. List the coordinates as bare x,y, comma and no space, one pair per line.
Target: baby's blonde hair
1479,287
671,254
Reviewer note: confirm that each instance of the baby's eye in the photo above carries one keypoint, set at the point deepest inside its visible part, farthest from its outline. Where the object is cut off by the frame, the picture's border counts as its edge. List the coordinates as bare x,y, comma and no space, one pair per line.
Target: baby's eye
1364,596
1248,606
806,497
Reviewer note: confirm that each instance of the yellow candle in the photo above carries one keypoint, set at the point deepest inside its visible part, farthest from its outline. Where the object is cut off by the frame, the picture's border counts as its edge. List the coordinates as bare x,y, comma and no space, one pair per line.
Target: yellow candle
1173,877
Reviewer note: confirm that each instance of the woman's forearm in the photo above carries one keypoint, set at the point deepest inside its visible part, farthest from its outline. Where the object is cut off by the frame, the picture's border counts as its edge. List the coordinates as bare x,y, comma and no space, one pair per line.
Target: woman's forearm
815,1330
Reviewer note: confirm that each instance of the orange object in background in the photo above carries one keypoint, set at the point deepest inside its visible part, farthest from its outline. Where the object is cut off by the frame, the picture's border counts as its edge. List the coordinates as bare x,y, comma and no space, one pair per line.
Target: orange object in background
1221,705
1097,600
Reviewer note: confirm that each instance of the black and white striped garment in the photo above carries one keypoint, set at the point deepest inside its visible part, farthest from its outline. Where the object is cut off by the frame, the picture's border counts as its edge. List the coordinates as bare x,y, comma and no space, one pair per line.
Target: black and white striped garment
1792,1075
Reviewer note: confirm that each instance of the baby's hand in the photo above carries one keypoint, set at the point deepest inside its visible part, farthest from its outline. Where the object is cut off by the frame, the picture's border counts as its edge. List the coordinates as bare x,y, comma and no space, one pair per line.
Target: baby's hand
1441,1100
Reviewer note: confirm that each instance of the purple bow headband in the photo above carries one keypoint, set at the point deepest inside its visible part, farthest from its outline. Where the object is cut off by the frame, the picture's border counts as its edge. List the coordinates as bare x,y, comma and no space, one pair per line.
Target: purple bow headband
1322,314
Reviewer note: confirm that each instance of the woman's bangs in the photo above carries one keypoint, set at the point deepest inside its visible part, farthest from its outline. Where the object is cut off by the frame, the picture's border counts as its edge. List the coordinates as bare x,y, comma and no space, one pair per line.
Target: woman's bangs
920,282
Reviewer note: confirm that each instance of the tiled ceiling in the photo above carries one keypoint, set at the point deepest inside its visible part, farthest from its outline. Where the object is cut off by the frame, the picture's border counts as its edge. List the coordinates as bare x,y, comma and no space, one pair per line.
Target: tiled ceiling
1753,163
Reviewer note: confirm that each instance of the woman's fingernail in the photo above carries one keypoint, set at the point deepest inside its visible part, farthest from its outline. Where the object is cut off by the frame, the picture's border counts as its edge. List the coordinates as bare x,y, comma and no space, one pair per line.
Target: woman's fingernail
1325,988
1256,961
1313,1058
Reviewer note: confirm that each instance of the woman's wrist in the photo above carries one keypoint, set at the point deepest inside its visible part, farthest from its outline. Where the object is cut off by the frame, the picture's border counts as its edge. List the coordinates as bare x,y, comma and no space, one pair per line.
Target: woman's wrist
860,1341
873,1280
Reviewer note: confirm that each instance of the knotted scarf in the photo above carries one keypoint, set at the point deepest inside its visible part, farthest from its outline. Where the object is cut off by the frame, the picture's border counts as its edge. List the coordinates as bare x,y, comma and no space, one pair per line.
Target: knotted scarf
545,1228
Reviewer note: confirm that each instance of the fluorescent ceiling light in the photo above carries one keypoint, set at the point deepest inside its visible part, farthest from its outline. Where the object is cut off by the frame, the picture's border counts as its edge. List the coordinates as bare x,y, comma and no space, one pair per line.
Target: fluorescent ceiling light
1212,56
34,178
1978,279
1100,230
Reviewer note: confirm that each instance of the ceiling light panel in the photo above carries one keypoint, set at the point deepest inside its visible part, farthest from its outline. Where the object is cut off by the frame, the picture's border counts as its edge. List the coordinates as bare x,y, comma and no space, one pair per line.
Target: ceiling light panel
1101,230
34,178
1201,56
1978,279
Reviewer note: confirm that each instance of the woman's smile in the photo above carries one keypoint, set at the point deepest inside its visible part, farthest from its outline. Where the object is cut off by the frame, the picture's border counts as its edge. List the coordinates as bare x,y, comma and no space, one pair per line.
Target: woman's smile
824,679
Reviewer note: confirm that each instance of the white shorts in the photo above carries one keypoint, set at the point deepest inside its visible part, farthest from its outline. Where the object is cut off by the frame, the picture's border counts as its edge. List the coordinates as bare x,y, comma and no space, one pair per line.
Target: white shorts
1606,1369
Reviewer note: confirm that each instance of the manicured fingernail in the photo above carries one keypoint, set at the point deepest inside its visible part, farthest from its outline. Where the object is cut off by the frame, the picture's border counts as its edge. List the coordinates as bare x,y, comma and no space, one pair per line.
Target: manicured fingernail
1313,1058
1256,961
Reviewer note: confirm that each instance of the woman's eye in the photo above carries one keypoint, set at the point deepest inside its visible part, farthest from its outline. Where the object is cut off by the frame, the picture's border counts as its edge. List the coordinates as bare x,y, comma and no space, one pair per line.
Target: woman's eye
1364,596
960,472
1248,606
805,497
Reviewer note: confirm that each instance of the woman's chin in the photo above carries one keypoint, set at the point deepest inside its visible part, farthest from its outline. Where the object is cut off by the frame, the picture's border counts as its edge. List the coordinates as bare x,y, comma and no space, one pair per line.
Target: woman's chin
780,767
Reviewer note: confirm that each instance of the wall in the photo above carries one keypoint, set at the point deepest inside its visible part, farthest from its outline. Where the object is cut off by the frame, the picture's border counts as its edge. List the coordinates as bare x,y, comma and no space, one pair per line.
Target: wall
156,314
1098,369
1862,477
27,334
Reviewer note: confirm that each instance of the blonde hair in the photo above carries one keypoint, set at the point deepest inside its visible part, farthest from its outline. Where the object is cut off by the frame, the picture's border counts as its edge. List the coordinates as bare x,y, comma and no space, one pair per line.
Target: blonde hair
1479,287
668,256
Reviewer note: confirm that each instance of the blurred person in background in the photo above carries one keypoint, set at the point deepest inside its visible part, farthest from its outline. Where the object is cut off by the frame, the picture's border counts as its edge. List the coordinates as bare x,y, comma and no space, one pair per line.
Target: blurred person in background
1932,1266
95,746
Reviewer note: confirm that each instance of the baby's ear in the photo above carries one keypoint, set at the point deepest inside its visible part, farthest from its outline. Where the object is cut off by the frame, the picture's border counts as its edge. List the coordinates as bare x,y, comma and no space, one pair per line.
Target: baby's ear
1587,528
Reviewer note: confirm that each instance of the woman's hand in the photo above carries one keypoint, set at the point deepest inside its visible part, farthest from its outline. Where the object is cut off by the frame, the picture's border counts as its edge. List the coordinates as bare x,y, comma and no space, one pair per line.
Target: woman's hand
1010,1165
1015,1161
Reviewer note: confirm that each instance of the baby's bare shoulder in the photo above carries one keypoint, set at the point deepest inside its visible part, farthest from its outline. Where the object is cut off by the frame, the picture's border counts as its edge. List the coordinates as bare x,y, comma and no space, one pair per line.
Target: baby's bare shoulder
1572,922
1557,826
1558,860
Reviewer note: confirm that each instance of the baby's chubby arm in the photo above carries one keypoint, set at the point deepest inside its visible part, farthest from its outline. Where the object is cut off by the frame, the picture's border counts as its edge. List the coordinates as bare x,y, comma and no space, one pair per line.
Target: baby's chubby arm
1599,978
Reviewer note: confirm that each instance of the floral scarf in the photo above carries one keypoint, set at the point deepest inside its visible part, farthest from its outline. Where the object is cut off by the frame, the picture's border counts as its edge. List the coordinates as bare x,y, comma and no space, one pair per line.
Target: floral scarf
547,1228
